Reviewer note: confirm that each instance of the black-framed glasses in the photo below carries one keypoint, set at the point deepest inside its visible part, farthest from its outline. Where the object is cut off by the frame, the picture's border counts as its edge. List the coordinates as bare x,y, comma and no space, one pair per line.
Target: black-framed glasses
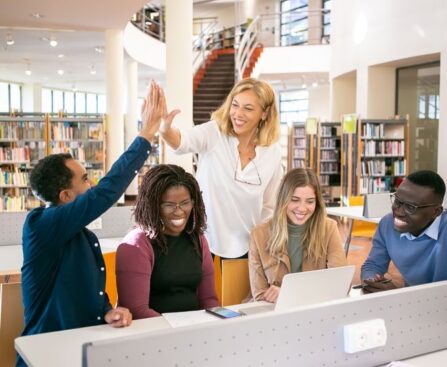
256,180
407,207
172,207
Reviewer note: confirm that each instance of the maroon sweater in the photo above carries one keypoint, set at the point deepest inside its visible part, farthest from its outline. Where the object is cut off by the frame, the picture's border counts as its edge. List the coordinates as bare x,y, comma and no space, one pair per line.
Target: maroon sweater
134,264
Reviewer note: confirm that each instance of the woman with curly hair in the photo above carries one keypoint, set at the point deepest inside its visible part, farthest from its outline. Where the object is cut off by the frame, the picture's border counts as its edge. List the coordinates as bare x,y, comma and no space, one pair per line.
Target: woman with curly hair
164,264
299,237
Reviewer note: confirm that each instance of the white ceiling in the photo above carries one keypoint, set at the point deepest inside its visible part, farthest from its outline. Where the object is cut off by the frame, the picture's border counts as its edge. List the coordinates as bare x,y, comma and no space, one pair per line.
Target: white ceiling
78,26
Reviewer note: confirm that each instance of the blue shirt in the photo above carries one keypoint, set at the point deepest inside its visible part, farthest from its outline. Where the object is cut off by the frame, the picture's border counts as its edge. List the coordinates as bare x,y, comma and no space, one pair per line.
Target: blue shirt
63,272
420,259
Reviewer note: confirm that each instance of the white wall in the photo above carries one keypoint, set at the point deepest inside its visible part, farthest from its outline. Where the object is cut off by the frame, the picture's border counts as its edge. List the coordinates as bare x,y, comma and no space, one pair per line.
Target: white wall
319,102
396,33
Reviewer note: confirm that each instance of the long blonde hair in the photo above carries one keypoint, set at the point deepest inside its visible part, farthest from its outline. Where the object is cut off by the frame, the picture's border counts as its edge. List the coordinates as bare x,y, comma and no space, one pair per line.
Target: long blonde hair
314,232
268,130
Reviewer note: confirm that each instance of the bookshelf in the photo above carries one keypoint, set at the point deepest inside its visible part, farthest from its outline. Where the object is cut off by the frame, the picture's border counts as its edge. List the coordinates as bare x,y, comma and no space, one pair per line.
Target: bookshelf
348,159
298,146
328,161
383,148
24,140
83,138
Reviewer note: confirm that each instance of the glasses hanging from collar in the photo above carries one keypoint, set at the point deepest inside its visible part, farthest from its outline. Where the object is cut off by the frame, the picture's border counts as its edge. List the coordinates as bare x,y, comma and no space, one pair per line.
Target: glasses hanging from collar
255,181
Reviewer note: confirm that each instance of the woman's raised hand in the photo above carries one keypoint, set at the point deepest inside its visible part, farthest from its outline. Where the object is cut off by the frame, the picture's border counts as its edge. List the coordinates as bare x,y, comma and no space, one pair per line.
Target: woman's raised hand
152,111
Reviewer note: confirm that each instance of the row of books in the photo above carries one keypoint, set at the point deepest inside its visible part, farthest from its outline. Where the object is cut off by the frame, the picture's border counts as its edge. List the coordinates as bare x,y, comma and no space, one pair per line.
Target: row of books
21,202
299,142
327,131
22,130
383,131
328,143
392,148
79,150
329,154
383,168
299,131
299,153
375,185
299,163
13,178
15,155
95,175
329,167
76,131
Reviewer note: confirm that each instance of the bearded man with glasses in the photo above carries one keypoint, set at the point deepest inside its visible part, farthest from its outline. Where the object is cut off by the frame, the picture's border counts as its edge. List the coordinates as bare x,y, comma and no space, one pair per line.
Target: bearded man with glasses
413,236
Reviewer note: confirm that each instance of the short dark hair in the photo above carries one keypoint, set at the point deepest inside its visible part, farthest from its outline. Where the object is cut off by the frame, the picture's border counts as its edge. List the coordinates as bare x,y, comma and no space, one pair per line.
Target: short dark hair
50,176
429,179
148,206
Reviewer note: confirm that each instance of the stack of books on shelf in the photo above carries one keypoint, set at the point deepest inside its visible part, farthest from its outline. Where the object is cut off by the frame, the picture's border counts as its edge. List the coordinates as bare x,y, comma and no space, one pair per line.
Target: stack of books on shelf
13,178
15,155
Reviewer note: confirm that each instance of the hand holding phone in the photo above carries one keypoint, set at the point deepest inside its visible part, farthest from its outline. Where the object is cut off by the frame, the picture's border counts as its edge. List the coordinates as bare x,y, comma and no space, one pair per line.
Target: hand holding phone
222,312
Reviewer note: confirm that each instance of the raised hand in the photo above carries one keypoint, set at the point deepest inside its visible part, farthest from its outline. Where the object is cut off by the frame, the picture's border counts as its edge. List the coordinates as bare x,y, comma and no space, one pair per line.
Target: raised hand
152,111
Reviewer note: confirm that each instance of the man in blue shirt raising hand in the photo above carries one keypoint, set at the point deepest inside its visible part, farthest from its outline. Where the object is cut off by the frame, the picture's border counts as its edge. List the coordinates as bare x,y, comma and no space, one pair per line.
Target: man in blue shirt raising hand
63,272
413,236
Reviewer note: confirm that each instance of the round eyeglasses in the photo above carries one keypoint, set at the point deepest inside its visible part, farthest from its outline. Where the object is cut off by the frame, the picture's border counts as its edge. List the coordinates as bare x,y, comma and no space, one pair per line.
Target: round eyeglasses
407,207
172,207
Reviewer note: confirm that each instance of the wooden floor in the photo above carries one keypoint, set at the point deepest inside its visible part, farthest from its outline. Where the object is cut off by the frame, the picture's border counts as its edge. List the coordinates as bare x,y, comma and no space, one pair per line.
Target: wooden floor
358,252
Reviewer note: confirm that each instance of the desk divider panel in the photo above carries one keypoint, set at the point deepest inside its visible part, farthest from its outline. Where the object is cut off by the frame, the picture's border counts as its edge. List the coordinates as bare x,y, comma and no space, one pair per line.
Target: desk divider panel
116,222
415,319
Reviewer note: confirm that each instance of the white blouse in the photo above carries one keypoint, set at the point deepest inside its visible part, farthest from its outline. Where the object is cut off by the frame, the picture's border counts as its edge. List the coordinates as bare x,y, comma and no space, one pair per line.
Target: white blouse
235,200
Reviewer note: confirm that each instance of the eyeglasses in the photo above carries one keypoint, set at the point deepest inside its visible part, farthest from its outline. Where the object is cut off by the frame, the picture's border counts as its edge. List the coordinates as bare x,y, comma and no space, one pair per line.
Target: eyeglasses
256,181
408,208
172,207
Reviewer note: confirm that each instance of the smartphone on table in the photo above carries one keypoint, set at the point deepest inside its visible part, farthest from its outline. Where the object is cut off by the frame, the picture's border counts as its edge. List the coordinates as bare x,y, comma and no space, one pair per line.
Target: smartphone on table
222,312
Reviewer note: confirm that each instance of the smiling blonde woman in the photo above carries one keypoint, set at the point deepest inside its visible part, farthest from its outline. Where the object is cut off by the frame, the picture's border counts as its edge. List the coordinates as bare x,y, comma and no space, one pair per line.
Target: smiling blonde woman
299,237
239,168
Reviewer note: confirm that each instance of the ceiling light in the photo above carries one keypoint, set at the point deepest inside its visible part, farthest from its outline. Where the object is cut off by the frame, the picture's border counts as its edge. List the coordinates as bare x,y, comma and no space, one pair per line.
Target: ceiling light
9,40
314,84
53,42
304,86
60,56
60,72
37,15
99,49
92,70
28,71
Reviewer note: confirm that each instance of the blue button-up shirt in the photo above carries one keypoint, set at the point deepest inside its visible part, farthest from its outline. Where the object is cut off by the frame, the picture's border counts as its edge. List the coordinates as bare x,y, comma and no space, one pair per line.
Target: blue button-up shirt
420,259
63,272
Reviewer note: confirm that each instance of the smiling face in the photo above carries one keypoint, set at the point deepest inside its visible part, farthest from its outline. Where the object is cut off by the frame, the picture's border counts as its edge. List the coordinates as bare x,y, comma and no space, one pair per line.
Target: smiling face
176,206
302,205
246,113
416,223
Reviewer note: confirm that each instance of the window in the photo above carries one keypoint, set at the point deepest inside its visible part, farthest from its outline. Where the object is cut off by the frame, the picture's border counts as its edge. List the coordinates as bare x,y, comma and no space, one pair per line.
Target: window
293,106
80,102
47,100
327,7
69,102
101,103
10,97
58,101
4,97
92,105
294,22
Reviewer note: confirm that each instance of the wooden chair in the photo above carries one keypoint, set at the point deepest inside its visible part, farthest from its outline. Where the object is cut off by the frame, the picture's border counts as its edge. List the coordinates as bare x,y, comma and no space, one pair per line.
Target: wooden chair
109,259
235,281
11,321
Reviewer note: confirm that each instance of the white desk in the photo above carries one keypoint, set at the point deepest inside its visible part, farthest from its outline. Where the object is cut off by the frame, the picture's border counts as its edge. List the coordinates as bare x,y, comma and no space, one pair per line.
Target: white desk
64,348
11,257
351,212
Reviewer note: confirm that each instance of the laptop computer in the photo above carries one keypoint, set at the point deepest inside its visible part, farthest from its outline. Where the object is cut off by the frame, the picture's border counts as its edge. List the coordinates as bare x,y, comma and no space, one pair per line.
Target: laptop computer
308,288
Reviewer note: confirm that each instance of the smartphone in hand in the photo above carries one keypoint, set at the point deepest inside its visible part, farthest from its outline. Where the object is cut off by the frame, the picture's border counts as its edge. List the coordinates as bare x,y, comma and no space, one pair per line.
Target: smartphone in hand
222,312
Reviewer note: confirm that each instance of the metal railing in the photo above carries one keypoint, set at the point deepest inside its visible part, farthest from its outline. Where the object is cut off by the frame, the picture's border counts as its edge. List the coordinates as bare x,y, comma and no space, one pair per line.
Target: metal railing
150,20
262,31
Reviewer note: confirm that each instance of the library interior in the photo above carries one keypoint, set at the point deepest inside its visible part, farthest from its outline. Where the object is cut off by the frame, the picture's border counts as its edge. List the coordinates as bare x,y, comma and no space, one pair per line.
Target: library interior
347,98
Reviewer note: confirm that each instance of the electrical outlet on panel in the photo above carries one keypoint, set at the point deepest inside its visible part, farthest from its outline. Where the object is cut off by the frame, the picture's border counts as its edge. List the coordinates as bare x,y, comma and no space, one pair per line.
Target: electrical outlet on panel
96,224
364,335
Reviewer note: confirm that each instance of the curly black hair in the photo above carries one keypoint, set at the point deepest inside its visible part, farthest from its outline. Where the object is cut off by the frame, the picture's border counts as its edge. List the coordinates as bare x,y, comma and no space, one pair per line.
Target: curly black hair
429,179
147,210
50,176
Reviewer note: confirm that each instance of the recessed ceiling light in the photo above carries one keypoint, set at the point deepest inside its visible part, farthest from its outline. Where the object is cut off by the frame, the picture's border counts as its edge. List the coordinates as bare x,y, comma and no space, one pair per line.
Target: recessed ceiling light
9,39
314,84
37,15
92,70
61,56
304,86
28,72
60,72
53,42
99,49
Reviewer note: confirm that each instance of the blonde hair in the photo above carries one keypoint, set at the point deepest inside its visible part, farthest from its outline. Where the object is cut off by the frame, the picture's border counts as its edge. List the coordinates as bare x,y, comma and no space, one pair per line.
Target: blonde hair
268,129
314,233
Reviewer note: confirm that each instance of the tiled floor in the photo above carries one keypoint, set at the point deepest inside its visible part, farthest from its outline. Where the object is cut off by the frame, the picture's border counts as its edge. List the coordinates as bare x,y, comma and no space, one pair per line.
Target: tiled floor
358,252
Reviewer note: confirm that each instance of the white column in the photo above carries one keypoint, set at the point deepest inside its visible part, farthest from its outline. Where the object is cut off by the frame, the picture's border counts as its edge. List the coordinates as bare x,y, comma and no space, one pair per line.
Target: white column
442,129
115,95
132,115
179,72
381,92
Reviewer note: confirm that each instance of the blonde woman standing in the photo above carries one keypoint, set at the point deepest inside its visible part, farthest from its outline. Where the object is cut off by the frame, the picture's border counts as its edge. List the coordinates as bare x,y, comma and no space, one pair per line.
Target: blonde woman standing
299,237
239,168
